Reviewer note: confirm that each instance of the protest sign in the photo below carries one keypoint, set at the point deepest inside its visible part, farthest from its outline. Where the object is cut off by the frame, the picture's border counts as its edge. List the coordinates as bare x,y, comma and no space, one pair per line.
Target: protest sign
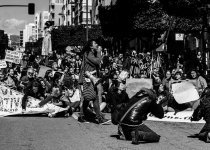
43,70
3,64
184,92
134,85
183,116
13,56
11,104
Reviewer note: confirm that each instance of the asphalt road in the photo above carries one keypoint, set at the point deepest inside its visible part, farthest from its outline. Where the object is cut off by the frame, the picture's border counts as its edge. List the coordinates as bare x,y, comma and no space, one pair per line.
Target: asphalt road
42,133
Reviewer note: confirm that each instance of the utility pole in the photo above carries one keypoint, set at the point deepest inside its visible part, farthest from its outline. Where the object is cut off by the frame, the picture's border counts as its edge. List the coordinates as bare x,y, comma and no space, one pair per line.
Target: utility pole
86,20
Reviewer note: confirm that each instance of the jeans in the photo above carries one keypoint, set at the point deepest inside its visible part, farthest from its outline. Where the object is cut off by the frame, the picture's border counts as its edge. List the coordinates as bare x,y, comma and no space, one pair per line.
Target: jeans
145,133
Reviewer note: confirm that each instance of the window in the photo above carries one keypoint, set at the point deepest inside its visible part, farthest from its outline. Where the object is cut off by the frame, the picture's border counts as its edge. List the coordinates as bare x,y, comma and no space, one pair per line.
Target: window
53,15
68,12
57,1
68,23
53,7
45,17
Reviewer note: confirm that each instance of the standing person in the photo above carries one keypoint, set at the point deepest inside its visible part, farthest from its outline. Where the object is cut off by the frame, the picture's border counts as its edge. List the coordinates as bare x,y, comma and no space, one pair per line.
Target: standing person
11,80
47,44
91,62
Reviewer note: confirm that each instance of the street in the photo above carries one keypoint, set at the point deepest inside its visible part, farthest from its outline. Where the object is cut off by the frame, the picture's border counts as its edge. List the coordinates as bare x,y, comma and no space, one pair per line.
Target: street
42,133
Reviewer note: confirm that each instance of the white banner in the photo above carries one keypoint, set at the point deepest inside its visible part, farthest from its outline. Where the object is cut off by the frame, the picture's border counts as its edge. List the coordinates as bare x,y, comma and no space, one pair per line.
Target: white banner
183,116
184,92
3,64
13,56
134,85
11,104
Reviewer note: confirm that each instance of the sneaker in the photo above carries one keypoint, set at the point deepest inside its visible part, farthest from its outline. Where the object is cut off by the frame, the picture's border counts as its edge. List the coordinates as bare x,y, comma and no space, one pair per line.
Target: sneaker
208,138
135,136
103,121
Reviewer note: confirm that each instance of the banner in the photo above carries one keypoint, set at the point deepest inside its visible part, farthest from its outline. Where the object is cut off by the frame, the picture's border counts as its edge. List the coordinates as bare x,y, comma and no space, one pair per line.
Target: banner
13,56
134,85
11,104
3,64
183,116
184,92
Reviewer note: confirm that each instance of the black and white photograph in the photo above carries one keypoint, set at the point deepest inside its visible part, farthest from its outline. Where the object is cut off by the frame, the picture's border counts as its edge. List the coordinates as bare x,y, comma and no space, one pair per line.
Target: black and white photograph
104,74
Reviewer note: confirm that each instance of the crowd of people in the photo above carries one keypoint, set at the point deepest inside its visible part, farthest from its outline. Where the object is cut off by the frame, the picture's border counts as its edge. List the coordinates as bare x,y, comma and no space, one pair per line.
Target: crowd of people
93,81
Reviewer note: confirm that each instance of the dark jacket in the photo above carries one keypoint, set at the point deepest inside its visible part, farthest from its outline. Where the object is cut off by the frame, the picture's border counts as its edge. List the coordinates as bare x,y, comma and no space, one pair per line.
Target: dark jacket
139,107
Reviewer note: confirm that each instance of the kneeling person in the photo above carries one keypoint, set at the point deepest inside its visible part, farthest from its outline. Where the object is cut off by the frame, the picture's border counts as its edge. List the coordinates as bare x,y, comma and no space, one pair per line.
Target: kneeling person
130,120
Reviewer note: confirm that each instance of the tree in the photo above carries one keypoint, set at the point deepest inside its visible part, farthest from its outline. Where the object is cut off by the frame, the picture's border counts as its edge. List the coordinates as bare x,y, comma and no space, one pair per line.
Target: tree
184,8
65,36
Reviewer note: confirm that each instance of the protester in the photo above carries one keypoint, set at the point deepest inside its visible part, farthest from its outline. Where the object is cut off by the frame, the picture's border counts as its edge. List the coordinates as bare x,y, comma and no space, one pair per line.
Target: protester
199,82
130,120
91,62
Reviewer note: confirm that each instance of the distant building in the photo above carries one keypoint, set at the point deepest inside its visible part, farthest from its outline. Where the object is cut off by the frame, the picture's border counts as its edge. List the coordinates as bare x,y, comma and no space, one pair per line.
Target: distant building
67,14
29,33
55,8
21,38
95,10
39,21
81,11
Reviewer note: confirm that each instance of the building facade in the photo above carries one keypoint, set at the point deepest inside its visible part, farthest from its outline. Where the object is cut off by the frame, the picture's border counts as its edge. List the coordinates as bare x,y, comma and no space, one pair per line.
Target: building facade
68,12
81,12
95,9
29,33
21,38
55,8
39,21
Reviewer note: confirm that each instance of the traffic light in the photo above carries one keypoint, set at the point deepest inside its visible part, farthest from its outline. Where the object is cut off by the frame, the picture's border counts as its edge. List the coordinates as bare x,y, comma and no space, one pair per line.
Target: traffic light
31,8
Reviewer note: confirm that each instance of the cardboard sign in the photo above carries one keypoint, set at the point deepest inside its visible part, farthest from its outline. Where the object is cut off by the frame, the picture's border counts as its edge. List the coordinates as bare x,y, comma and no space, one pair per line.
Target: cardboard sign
13,56
184,92
11,104
134,85
3,64
43,70
179,37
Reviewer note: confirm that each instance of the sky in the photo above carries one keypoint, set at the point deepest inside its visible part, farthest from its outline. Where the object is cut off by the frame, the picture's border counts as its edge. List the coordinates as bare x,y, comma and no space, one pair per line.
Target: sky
14,19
